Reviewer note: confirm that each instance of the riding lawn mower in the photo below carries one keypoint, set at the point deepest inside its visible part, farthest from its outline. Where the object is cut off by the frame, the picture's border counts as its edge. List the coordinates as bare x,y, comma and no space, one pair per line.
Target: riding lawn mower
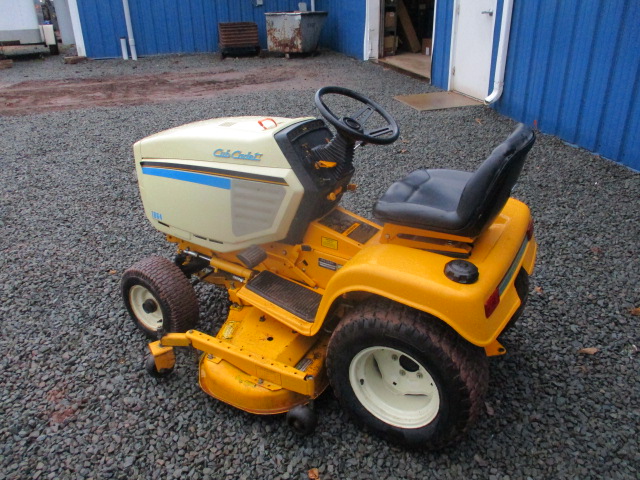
398,315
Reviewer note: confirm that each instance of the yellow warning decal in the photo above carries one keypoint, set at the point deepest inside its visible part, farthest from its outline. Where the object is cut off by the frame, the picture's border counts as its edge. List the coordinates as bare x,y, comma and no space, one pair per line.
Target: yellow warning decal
330,243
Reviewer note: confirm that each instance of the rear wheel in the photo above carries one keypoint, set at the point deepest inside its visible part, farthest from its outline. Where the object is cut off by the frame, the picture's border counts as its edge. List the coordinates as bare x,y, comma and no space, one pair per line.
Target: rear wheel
406,376
158,297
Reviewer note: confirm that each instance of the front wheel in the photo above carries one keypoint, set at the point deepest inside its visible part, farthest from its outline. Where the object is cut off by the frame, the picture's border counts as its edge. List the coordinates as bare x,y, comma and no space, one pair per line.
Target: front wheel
159,297
406,376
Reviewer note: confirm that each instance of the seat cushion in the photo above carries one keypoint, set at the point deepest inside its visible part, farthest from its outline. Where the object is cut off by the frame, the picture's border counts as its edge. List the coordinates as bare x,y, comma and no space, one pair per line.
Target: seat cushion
458,203
424,198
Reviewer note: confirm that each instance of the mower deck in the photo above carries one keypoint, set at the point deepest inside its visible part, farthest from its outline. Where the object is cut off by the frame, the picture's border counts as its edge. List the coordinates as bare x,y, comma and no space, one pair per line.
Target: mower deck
255,363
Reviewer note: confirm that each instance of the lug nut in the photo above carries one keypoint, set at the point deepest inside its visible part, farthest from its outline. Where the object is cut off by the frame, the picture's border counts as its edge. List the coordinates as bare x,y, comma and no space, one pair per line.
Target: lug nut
394,357
403,373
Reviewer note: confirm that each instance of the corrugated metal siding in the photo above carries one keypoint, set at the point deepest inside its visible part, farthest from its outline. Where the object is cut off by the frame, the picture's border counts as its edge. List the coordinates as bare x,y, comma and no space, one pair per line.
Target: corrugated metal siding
174,26
574,71
102,26
345,26
442,44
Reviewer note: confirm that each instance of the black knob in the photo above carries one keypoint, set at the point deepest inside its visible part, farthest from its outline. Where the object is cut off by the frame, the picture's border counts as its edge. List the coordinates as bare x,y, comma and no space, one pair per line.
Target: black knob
461,271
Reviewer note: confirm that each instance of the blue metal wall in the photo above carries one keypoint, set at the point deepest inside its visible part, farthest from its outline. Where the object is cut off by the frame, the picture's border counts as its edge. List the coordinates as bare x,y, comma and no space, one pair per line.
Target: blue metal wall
185,26
345,26
441,57
102,26
574,71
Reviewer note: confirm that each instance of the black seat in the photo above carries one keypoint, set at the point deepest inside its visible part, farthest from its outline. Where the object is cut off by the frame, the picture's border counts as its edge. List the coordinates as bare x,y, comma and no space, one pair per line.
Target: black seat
454,202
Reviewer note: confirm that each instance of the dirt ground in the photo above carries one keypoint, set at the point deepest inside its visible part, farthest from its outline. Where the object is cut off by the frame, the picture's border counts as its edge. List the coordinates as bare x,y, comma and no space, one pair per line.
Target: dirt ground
34,96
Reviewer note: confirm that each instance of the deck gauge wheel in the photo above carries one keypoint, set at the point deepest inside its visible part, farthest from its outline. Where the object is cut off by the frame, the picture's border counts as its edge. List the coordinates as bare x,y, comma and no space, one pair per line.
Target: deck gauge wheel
302,420
152,370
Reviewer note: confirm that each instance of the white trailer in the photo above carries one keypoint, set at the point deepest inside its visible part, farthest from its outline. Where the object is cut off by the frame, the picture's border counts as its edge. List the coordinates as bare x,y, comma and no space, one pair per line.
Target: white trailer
19,25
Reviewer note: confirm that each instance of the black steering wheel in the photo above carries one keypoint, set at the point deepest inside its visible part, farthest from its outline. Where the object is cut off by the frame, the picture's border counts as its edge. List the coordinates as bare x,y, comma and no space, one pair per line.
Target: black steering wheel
353,126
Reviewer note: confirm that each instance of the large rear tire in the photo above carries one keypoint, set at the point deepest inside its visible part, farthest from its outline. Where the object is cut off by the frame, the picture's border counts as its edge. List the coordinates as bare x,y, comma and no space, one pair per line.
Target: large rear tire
406,376
159,297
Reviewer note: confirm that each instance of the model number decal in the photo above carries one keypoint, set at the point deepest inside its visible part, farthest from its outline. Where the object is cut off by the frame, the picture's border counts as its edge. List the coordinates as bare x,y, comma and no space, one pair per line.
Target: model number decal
324,263
238,154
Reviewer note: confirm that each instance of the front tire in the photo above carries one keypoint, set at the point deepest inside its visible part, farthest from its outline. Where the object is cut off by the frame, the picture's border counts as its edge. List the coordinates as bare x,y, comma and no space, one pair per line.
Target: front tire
406,376
159,297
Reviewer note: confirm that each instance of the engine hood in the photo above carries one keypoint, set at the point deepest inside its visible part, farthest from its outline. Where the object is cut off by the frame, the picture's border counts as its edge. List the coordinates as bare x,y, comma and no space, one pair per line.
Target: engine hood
240,140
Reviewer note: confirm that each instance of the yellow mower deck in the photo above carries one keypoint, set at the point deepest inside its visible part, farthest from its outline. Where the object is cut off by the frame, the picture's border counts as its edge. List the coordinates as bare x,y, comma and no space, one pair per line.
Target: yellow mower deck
254,363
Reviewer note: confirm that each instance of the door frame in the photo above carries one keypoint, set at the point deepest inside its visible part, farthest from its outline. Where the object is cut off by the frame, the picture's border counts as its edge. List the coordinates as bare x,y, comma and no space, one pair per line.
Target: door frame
373,42
372,38
454,33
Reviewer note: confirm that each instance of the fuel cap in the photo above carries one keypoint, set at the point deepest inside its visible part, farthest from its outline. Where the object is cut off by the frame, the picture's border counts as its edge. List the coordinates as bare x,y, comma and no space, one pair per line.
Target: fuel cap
461,271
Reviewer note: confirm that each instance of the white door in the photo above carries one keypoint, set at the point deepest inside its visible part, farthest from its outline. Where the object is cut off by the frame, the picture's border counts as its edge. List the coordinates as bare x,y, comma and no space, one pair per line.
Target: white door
472,43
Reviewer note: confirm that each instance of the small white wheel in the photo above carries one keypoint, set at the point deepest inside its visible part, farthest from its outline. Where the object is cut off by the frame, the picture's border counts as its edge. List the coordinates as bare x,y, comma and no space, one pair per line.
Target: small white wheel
394,387
145,307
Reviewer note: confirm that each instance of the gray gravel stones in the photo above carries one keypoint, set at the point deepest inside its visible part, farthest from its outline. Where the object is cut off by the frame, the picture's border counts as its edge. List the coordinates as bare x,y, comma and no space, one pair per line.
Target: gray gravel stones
75,400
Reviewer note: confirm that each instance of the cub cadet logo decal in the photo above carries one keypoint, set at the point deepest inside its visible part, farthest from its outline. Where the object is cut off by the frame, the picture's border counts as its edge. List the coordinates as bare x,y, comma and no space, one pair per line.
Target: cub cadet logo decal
238,155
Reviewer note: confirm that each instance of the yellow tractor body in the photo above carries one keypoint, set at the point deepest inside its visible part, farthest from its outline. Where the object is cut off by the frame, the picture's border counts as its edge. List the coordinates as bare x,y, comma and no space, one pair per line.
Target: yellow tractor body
398,316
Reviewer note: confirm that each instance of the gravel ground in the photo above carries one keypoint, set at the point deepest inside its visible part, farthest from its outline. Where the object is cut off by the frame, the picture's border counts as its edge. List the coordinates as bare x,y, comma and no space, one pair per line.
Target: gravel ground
76,403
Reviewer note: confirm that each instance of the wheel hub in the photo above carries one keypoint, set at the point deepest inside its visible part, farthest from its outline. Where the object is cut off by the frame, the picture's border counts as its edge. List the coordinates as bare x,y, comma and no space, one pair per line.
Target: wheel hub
394,387
352,123
149,306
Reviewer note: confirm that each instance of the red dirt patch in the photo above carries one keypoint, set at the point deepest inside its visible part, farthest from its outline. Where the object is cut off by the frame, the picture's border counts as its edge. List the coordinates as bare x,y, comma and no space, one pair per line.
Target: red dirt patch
45,95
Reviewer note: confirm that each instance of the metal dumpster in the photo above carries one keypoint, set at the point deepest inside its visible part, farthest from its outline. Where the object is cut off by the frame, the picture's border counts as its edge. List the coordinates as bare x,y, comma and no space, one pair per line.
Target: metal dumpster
294,32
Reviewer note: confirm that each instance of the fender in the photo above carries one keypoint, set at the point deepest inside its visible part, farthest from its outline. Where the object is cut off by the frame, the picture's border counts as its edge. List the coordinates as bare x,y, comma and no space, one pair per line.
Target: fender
415,278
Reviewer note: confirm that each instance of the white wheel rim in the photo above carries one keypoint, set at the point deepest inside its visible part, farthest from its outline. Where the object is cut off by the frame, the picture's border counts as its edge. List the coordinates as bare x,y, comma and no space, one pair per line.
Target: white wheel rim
150,320
394,387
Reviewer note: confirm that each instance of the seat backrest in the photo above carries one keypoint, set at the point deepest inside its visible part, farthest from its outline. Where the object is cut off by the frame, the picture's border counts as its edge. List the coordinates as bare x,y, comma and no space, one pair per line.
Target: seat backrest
489,188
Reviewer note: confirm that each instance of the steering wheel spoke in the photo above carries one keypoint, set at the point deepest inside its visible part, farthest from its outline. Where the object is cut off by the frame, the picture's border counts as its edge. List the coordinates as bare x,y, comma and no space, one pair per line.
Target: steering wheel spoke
379,132
363,114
